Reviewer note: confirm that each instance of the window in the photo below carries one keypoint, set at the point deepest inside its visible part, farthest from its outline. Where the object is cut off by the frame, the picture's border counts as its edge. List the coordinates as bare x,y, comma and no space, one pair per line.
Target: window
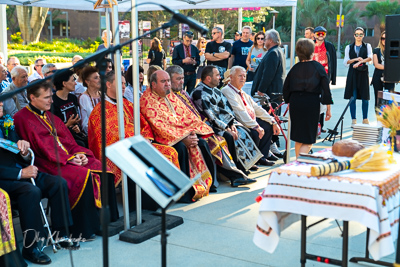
369,32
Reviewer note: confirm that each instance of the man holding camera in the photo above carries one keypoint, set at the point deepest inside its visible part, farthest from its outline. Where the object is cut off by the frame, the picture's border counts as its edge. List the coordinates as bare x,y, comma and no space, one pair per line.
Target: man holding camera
187,56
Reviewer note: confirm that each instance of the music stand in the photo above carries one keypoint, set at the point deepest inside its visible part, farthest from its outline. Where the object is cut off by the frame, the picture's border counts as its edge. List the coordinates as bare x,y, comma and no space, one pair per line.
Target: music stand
334,132
157,176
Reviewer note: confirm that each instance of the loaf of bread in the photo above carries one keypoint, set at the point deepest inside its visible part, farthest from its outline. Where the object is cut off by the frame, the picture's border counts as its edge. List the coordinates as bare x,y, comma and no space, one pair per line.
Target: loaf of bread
346,148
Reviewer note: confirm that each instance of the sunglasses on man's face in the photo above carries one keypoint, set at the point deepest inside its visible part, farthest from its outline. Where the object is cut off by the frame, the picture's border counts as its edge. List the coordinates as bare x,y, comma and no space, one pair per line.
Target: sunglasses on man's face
39,66
359,35
383,38
321,34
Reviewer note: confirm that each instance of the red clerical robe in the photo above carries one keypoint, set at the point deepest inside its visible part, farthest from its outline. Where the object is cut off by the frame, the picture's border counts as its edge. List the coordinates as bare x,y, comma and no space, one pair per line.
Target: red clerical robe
42,131
171,122
94,133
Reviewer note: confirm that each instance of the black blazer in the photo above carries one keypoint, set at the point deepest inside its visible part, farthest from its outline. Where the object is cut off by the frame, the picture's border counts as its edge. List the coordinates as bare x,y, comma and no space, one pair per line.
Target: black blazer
179,55
271,73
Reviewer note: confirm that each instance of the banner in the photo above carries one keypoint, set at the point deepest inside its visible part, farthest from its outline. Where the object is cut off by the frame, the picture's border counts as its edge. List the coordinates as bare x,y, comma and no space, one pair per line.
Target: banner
124,29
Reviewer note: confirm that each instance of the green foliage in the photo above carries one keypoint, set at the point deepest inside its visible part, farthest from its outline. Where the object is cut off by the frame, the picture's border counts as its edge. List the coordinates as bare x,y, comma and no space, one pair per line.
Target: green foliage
16,38
380,10
59,45
28,58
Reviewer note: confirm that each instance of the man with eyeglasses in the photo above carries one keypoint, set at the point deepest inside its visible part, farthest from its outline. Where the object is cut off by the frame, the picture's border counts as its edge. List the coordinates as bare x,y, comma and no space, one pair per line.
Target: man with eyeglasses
187,56
49,69
325,54
17,102
37,73
218,52
240,49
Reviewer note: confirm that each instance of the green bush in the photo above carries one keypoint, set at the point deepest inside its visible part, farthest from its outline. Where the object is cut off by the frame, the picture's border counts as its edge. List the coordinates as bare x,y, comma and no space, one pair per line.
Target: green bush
59,45
30,57
16,38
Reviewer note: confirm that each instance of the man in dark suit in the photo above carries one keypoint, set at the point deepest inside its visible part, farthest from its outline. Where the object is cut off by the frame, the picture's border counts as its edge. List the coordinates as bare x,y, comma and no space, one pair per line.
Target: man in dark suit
271,72
15,174
187,56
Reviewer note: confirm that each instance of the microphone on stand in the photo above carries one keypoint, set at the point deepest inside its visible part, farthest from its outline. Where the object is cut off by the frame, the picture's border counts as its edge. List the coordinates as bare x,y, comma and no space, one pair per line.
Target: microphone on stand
183,19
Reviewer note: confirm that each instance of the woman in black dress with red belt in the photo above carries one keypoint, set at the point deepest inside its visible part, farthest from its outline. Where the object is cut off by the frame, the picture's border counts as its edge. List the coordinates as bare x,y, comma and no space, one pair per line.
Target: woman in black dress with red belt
305,87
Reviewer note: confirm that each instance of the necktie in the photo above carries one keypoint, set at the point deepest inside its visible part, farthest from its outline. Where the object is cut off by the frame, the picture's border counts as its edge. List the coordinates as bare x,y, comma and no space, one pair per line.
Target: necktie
248,109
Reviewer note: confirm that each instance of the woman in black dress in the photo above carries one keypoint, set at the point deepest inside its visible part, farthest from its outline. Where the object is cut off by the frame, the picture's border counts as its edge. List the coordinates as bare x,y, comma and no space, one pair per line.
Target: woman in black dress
356,55
156,54
379,63
305,87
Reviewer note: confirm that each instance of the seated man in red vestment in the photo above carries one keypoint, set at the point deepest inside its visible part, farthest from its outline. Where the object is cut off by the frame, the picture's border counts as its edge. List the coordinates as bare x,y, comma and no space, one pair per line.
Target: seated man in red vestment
112,136
173,124
57,153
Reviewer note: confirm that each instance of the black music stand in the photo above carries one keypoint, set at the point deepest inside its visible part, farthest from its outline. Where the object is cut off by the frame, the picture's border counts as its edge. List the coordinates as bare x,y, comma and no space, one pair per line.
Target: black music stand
333,133
157,176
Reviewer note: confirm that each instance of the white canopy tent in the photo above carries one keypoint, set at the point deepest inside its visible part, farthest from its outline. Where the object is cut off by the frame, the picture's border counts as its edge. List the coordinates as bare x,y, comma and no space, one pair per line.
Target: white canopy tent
125,6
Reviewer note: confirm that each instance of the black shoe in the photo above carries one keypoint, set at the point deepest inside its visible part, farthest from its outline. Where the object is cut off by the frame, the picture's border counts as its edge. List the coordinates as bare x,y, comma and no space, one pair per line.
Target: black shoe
242,181
36,256
254,168
213,189
68,244
279,155
265,162
272,157
238,181
250,181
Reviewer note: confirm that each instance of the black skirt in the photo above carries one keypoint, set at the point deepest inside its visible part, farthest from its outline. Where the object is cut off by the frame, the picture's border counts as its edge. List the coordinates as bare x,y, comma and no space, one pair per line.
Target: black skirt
304,116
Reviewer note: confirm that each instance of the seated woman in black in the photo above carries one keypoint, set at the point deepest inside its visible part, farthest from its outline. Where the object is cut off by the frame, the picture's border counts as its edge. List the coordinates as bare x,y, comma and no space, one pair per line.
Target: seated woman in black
66,106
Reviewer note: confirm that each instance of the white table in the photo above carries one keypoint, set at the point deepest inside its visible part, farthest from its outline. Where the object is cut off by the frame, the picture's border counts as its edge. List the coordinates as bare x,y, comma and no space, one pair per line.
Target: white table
371,199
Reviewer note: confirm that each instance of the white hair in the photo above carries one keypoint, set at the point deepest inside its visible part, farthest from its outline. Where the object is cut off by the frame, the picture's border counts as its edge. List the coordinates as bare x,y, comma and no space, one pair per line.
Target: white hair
274,36
234,69
47,67
16,71
247,27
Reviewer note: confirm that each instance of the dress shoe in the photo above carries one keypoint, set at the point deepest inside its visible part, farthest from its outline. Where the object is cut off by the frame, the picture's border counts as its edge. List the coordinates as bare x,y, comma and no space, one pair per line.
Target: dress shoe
254,168
265,162
242,181
36,256
272,157
323,131
213,189
68,244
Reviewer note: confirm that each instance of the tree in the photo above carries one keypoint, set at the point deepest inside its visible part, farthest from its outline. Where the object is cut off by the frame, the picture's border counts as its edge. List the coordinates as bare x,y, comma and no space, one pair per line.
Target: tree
380,10
31,21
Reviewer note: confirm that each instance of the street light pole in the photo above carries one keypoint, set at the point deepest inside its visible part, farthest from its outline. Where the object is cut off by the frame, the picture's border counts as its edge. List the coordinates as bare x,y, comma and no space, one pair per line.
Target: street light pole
339,30
51,25
274,14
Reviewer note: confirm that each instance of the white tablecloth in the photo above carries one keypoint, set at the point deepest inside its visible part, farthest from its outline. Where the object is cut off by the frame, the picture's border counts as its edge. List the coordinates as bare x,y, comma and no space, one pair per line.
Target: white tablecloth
371,199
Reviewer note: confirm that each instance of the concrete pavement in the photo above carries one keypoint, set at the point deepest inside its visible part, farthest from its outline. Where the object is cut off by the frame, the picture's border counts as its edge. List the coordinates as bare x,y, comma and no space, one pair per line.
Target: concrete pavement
218,229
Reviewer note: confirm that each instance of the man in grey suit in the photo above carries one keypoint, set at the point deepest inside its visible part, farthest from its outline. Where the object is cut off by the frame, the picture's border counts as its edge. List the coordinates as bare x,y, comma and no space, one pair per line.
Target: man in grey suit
271,72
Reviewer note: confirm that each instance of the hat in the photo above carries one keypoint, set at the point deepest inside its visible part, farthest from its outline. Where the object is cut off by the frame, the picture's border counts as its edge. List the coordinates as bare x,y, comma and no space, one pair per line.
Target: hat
320,29
226,76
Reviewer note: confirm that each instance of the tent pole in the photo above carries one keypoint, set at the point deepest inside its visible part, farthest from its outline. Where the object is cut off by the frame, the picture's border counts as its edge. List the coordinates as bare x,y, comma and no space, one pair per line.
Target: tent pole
3,31
293,36
136,106
240,18
107,13
120,108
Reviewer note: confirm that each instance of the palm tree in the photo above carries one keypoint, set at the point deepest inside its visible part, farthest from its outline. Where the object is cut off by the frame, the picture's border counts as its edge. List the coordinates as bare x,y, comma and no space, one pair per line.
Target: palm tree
380,10
312,13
